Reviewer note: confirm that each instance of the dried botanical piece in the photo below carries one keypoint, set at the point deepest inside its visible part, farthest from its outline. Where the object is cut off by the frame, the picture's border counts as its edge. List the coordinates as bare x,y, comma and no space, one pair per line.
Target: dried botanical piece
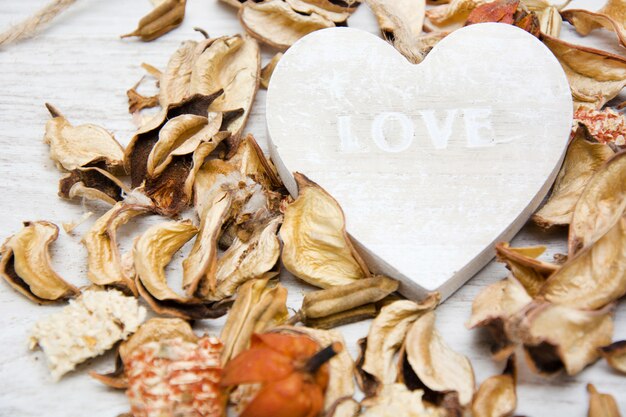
606,125
333,11
496,11
174,81
595,276
256,308
234,3
496,396
524,266
103,256
293,376
354,315
275,23
25,264
70,226
166,16
582,160
174,377
557,337
88,327
435,365
594,76
385,337
586,21
93,184
251,162
493,306
339,299
138,102
317,248
601,405
395,400
615,355
550,21
600,206
73,147
449,17
267,70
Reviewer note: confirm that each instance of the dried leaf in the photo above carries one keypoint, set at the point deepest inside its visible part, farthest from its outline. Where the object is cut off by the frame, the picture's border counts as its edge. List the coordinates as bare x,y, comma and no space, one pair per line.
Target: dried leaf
586,21
615,355
67,336
496,396
92,184
437,367
73,147
582,160
166,16
275,23
601,405
317,248
25,264
266,72
449,17
524,266
605,126
600,206
594,76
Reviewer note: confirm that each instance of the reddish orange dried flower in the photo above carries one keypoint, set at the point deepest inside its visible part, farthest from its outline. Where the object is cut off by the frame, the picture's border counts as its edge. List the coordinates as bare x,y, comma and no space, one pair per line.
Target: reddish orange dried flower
606,126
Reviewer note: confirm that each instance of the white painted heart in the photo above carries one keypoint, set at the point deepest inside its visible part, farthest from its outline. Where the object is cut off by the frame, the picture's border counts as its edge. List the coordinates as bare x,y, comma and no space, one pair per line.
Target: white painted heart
432,163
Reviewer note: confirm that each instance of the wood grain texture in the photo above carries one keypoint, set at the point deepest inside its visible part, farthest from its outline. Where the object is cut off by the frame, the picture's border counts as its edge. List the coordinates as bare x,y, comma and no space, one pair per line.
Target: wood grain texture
80,65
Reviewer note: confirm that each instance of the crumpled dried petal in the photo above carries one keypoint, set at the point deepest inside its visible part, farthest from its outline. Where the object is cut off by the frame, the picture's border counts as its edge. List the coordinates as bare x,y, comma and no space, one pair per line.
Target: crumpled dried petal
615,355
435,365
605,126
493,306
595,276
395,400
93,184
73,147
594,76
25,264
104,261
138,102
496,11
317,248
166,16
524,266
385,337
582,160
251,162
268,70
256,309
88,327
601,405
557,337
586,21
175,80
174,377
275,23
496,396
333,11
601,204
449,17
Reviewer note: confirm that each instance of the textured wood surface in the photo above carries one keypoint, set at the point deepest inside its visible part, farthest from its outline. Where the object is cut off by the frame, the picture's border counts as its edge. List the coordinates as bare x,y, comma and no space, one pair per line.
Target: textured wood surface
82,67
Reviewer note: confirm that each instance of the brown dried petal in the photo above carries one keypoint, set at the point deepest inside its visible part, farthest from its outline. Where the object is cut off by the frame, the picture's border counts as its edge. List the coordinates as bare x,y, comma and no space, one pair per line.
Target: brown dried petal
317,248
334,13
275,23
615,355
586,21
73,147
601,405
168,15
138,102
449,17
496,396
93,184
582,160
25,264
600,206
266,72
524,266
438,368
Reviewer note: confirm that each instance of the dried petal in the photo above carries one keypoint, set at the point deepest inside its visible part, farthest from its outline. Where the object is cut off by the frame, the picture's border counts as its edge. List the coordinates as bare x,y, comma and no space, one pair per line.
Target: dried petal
88,327
450,16
615,355
496,11
601,405
582,160
550,21
138,102
524,266
266,72
73,147
586,21
174,83
234,3
166,16
395,400
606,125
436,366
25,264
496,396
93,184
275,23
251,162
333,11
317,248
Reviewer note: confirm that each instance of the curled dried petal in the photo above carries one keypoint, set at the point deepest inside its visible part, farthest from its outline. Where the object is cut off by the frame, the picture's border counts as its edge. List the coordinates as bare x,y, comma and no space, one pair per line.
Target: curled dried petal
166,16
268,69
93,184
586,21
524,266
550,21
174,82
25,264
496,396
615,355
395,400
601,405
450,16
317,248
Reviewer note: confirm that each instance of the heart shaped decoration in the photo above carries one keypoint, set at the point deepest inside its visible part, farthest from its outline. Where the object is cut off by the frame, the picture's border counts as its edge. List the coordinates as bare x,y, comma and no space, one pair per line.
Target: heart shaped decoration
431,163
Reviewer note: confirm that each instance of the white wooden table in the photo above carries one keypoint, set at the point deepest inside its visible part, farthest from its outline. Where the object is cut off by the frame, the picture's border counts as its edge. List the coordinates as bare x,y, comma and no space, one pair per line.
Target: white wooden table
81,66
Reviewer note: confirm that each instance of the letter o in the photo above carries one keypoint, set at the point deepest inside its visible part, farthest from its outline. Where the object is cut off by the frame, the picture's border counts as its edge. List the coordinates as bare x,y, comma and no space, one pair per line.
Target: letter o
379,136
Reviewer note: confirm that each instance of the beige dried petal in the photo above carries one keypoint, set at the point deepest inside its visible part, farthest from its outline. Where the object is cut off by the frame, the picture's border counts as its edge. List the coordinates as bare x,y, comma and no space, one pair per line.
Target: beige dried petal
73,147
550,21
104,261
337,14
524,266
435,364
395,400
601,405
25,264
386,335
595,276
615,355
174,82
251,162
214,177
586,21
92,184
557,337
582,160
275,23
266,72
154,250
317,248
496,396
449,17
166,16
594,76
600,206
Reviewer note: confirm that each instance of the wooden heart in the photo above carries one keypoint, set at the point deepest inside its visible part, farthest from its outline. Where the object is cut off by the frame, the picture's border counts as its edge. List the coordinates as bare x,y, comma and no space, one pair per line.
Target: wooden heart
432,163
